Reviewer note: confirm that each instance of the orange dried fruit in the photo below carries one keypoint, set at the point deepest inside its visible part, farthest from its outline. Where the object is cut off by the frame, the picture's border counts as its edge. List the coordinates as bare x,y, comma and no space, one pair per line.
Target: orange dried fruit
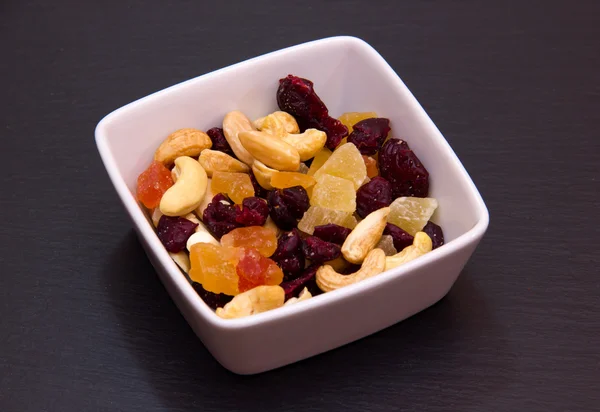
214,267
283,180
258,237
237,186
318,161
253,269
371,165
152,183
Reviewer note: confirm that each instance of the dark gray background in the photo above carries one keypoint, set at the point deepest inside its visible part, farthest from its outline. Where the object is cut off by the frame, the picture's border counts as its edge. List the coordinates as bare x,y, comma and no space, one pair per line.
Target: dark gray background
514,87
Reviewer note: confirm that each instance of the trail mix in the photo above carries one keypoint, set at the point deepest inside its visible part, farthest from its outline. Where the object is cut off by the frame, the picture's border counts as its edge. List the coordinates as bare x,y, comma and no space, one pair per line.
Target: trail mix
270,212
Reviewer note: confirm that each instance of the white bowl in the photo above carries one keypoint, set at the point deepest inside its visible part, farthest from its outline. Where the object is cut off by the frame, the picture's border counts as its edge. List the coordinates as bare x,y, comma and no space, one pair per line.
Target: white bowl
349,75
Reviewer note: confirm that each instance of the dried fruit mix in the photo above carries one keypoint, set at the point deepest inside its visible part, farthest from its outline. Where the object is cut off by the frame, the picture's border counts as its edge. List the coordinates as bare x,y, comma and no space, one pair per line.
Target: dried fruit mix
290,228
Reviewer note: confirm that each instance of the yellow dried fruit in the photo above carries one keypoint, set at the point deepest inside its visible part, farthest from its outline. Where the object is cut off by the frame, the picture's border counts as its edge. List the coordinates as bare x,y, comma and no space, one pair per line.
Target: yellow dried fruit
319,160
317,216
345,162
412,213
334,193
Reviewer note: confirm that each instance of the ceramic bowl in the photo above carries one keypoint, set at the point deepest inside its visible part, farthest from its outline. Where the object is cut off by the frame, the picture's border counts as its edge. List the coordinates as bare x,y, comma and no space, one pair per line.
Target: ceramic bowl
349,75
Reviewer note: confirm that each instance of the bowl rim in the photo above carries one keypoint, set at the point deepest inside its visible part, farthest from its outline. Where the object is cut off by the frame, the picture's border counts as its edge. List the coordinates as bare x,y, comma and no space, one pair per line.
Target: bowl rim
146,230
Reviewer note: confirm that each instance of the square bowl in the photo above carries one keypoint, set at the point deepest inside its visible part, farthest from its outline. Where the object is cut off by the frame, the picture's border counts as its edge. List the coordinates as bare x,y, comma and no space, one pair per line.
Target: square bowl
128,137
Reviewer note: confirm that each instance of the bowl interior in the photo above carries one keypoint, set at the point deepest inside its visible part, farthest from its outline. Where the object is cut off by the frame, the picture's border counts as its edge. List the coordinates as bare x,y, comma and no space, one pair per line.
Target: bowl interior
348,75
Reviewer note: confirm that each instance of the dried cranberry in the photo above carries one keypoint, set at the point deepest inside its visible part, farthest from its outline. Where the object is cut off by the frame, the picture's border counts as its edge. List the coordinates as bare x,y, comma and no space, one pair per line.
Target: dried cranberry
213,300
373,196
332,233
258,189
435,233
403,169
253,212
289,255
368,135
318,250
174,231
286,206
220,216
334,129
219,142
306,280
401,238
297,96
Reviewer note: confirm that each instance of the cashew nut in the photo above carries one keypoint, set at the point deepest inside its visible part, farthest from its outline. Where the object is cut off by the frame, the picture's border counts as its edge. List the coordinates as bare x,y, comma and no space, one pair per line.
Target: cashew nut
421,245
201,235
270,150
284,126
234,123
263,174
304,295
183,142
271,125
182,260
365,235
187,193
174,174
208,197
259,299
217,161
156,215
277,123
193,218
307,144
328,279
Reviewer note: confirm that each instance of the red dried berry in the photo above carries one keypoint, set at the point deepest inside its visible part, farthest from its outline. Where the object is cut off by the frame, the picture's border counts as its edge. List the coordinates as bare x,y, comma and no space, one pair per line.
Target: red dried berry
403,169
220,216
332,233
297,200
258,189
401,238
334,129
174,231
307,280
297,97
289,255
368,135
435,233
219,142
213,300
253,212
287,206
373,196
318,250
